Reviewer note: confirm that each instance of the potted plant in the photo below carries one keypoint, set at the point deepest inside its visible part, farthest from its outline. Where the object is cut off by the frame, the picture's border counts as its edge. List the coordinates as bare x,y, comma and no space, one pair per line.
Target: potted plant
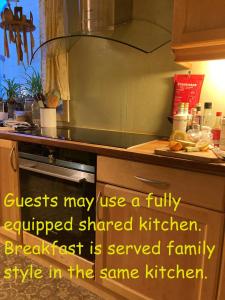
34,88
11,91
33,85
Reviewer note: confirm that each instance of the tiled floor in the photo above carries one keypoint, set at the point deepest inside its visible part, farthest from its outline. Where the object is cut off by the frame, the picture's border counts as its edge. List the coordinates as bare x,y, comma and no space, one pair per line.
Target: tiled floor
44,288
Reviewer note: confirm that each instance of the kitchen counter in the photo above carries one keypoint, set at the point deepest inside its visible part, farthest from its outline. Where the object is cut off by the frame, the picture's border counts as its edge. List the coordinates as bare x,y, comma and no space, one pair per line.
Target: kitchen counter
141,153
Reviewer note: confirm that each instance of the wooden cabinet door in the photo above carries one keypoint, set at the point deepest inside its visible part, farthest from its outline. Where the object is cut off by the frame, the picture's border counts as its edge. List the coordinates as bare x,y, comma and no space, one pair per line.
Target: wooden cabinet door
210,227
221,295
9,183
198,29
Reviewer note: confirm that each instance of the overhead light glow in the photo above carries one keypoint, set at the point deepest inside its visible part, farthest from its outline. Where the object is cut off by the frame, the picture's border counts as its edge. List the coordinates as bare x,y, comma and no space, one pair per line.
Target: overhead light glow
216,74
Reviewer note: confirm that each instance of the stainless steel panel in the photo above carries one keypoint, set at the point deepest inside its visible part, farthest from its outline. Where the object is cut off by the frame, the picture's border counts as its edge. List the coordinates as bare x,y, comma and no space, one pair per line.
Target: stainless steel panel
55,171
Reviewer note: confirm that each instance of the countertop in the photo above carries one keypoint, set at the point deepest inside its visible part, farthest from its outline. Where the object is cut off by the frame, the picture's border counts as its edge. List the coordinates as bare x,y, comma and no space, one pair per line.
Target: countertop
140,153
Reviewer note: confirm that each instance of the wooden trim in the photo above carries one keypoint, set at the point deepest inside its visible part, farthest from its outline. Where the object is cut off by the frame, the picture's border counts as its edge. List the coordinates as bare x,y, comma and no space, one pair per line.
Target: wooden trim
9,234
200,53
123,290
221,292
200,39
216,169
9,183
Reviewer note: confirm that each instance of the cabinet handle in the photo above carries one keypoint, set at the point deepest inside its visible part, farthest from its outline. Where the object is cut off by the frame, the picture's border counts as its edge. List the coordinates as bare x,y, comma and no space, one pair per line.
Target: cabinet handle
12,158
153,181
97,208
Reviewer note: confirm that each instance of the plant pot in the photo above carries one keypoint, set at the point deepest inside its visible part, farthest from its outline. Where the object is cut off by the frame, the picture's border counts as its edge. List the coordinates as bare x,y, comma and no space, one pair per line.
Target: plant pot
11,108
48,117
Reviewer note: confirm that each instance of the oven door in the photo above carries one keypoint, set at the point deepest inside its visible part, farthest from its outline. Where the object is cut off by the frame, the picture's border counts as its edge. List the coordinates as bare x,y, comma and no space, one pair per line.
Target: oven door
40,179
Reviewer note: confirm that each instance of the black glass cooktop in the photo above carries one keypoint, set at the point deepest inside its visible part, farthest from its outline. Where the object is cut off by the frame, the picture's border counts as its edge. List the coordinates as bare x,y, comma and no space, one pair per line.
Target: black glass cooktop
91,136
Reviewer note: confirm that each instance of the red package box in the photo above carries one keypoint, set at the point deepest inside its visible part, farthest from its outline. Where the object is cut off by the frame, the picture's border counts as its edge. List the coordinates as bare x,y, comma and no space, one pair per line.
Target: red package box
187,88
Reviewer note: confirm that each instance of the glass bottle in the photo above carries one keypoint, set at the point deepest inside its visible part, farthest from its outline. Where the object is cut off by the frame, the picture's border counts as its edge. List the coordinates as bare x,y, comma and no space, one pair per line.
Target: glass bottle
193,117
186,108
207,115
216,130
180,110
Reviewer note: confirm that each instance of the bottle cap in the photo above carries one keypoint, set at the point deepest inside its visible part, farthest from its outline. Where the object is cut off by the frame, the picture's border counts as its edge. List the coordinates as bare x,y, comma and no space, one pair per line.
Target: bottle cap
208,105
181,104
219,114
199,107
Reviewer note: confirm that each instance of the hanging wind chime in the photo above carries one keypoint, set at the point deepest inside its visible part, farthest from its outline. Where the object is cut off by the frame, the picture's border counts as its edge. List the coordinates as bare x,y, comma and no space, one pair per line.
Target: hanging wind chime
16,27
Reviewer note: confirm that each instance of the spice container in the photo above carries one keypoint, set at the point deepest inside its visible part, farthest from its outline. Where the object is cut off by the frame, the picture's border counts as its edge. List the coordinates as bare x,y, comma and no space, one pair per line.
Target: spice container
180,123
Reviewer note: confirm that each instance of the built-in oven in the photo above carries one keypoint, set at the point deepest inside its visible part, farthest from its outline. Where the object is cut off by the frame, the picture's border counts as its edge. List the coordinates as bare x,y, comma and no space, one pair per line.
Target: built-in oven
55,172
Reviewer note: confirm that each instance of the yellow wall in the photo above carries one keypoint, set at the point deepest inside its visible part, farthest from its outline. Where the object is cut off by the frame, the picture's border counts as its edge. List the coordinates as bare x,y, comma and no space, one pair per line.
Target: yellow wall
214,83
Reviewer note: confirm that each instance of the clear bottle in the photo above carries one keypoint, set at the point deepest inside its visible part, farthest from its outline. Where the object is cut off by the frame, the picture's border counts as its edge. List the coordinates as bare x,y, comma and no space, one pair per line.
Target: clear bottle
35,113
222,135
193,117
189,116
197,121
207,115
216,130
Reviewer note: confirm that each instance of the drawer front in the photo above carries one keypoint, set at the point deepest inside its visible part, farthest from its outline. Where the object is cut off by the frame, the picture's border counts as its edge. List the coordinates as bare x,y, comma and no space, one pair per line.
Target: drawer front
194,188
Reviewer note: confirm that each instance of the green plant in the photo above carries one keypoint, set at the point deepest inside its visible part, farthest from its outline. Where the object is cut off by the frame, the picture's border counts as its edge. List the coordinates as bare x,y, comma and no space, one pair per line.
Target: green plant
10,89
33,84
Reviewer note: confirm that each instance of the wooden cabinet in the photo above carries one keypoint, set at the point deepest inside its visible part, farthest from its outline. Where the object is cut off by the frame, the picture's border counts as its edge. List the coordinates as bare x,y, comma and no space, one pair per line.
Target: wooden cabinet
198,30
221,294
210,224
9,183
120,181
192,187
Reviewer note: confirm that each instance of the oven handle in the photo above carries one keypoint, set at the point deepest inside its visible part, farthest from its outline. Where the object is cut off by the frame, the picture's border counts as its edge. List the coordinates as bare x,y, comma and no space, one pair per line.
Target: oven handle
56,171
12,158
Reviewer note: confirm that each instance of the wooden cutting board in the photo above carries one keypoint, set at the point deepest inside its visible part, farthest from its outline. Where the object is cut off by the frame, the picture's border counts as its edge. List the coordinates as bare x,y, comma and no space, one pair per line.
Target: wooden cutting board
6,129
206,156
